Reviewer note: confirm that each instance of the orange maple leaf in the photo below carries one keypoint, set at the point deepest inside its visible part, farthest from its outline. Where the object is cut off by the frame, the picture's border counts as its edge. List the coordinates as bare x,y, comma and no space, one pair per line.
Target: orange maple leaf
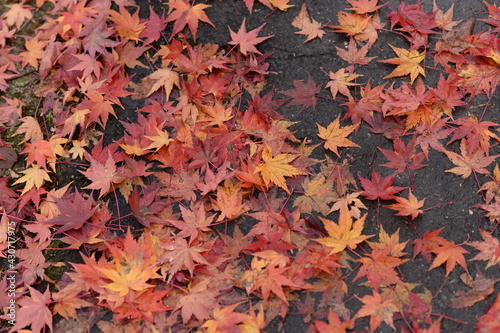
307,25
468,161
336,136
30,128
352,24
408,207
272,279
164,77
408,62
229,201
280,4
378,309
363,6
198,302
274,169
334,324
490,322
128,26
67,300
225,319
247,40
34,51
450,254
353,55
345,234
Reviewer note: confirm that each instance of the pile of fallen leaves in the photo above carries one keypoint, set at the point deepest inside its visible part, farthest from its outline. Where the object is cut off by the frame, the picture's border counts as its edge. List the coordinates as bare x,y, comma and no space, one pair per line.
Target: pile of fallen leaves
233,222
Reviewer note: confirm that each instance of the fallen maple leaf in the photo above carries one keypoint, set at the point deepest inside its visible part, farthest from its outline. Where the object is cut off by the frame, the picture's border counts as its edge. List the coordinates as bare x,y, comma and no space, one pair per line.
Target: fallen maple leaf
307,25
34,311
408,207
16,14
428,242
187,14
352,24
450,254
165,78
74,212
336,136
33,177
403,156
353,55
490,322
379,187
334,324
408,63
477,133
304,93
247,40
378,309
275,168
128,26
225,319
363,6
481,286
340,81
492,187
198,302
34,51
103,176
468,161
489,248
345,234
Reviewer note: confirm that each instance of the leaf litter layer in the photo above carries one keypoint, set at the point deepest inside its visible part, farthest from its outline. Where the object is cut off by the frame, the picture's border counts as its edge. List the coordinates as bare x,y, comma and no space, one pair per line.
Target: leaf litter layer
196,206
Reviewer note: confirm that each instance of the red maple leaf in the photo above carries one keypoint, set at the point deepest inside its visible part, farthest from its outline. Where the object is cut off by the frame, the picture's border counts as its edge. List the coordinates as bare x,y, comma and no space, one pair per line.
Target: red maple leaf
75,211
477,133
187,14
304,93
155,24
103,176
403,156
429,241
247,40
379,187
147,207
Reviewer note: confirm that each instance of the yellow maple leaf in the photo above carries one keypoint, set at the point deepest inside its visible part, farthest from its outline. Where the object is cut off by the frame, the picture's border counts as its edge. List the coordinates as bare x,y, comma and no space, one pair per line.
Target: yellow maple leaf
34,176
408,63
345,234
128,278
159,140
336,136
274,169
